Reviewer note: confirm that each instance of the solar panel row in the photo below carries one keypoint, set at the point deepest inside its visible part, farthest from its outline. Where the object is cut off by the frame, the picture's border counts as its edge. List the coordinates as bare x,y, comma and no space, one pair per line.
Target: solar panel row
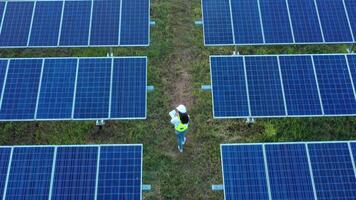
261,22
283,85
71,172
63,23
73,88
289,170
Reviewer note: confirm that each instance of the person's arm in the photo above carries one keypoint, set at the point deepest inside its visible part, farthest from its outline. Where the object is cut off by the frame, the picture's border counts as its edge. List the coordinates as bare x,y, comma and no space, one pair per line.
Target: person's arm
175,121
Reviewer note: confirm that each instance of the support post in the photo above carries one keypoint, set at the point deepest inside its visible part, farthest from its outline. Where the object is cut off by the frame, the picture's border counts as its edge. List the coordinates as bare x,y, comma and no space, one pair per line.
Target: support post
110,53
150,88
100,123
250,120
217,187
146,187
206,87
152,23
198,23
236,52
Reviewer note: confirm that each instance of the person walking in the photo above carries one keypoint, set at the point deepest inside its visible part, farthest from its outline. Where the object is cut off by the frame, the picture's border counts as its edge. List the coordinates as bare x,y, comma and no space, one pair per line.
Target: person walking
180,120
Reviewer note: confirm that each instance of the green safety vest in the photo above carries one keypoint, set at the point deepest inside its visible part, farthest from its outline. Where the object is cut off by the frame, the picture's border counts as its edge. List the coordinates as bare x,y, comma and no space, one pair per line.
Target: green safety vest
181,127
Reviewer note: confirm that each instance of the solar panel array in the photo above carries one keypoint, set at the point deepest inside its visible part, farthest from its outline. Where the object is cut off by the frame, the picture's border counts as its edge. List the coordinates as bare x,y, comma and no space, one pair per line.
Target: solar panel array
324,170
71,172
74,23
73,88
283,85
262,22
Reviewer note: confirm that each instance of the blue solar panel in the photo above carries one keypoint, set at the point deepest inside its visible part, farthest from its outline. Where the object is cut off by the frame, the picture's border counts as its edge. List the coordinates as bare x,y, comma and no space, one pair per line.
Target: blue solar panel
300,86
73,88
333,20
16,24
134,22
304,18
120,173
333,172
229,80
283,85
289,173
264,85
351,10
75,173
105,23
217,22
352,64
275,20
244,172
76,22
323,170
30,174
46,23
335,85
92,97
21,89
4,164
283,22
247,26
57,89
129,85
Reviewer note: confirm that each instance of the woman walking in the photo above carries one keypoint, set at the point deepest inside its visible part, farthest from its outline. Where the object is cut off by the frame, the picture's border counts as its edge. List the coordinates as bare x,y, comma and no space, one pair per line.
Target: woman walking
180,120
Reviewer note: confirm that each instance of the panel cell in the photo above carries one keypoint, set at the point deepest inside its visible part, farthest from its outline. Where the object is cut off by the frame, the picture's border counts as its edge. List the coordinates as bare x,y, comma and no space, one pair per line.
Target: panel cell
93,89
16,24
129,88
57,89
264,83
30,173
300,86
75,23
335,85
21,89
134,22
229,87
46,22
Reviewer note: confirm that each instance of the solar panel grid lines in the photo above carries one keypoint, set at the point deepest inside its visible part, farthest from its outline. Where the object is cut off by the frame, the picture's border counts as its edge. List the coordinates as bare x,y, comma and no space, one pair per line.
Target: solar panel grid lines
52,94
7,175
350,73
4,81
247,92
291,171
296,22
352,158
78,24
301,85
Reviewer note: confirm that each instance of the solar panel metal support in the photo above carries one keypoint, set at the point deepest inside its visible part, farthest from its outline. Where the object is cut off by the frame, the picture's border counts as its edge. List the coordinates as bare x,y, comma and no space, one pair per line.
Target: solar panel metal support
146,187
206,87
150,88
217,187
152,23
100,123
198,23
236,52
250,120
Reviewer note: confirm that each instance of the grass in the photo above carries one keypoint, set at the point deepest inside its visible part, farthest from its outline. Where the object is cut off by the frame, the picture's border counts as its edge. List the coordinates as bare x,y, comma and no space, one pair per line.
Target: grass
174,175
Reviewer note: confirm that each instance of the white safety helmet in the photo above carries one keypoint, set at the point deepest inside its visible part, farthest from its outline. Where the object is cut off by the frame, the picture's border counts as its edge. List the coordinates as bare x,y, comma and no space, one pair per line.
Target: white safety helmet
181,108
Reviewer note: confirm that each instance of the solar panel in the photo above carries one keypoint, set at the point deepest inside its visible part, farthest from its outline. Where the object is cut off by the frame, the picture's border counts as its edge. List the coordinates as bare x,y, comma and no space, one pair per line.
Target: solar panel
308,170
71,172
74,23
73,88
268,22
265,86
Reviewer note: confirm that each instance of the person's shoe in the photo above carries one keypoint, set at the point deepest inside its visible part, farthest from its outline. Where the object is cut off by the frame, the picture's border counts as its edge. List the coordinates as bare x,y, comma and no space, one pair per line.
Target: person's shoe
185,139
180,150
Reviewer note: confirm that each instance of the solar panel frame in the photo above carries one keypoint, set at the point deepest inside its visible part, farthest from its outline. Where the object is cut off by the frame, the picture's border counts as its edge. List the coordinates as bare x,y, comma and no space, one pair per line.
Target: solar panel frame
98,146
349,143
264,43
58,45
73,118
276,116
